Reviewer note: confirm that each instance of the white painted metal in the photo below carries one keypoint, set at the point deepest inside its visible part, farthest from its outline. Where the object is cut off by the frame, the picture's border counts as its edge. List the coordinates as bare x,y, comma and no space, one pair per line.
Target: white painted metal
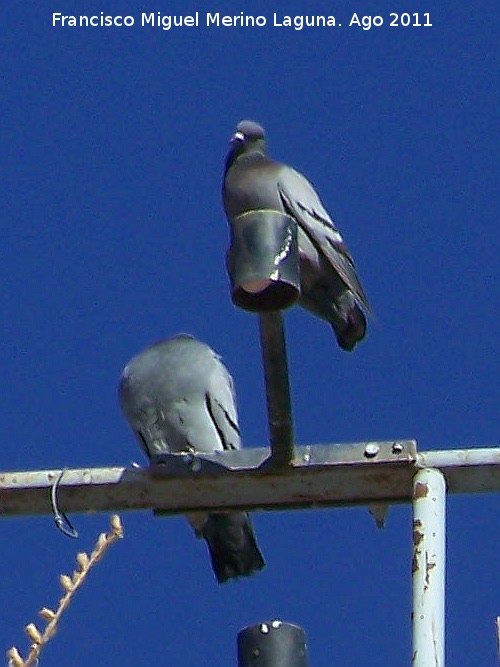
428,568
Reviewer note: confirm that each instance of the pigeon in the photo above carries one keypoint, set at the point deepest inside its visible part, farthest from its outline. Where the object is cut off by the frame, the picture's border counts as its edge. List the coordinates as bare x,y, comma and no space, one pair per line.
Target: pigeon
329,285
178,396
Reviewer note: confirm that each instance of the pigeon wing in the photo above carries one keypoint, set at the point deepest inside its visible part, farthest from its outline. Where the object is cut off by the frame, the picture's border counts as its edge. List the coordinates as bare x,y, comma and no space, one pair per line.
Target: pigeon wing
220,401
302,202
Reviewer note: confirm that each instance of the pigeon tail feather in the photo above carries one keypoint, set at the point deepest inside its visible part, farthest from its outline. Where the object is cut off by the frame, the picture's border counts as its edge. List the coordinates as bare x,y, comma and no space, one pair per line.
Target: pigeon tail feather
232,545
353,330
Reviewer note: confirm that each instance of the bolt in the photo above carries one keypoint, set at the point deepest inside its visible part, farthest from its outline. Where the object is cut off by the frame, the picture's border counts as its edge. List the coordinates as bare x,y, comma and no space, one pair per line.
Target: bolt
264,628
371,450
397,448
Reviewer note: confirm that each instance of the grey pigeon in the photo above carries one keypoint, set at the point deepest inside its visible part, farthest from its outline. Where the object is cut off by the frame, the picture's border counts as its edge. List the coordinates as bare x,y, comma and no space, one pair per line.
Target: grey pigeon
330,287
178,396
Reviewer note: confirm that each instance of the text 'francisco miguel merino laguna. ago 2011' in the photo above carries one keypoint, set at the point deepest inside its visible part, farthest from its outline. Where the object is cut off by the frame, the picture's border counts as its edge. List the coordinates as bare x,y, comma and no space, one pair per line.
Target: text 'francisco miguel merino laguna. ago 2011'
215,19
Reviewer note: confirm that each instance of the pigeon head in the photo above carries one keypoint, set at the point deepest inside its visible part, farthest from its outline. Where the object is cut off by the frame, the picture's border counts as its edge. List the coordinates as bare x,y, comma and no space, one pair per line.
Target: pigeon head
248,131
249,137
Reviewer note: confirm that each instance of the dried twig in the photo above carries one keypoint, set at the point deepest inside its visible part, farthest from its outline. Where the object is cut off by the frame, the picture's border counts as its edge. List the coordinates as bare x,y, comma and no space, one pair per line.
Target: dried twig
70,585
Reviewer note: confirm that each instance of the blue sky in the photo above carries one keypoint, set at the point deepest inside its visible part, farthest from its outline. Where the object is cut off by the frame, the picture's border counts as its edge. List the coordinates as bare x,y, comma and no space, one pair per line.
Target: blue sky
113,236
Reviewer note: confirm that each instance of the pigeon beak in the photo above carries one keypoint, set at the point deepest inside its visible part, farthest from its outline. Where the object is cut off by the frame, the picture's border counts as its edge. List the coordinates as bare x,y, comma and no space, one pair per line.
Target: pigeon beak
237,136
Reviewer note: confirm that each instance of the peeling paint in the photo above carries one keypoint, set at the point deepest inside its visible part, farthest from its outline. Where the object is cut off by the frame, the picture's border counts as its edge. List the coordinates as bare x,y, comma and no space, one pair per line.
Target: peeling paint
420,490
429,566
418,532
414,564
418,537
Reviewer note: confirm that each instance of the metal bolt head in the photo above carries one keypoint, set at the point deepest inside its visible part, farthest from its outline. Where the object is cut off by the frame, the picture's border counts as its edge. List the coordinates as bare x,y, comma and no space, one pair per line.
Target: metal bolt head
397,448
371,450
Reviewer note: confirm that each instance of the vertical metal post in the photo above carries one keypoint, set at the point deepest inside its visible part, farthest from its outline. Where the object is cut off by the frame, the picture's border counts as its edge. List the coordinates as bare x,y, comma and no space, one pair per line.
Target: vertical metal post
498,637
279,407
428,568
274,644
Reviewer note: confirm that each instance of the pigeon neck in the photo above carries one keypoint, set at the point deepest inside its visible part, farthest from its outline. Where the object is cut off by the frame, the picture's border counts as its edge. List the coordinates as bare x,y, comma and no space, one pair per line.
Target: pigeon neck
254,153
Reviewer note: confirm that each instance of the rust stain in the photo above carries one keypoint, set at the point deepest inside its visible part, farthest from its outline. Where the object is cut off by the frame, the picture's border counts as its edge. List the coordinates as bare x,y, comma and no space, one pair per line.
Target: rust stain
417,537
420,491
418,534
414,564
429,565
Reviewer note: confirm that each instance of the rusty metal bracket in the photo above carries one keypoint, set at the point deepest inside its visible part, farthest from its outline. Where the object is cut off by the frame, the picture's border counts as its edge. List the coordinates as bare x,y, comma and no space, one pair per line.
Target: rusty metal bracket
318,476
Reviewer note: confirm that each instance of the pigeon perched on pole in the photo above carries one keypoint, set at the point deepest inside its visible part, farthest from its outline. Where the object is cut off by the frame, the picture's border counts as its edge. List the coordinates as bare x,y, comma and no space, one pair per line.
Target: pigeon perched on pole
178,396
329,285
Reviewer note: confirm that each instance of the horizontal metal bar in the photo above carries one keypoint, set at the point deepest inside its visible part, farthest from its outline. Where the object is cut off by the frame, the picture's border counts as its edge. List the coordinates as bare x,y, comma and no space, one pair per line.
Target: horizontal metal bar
466,470
319,476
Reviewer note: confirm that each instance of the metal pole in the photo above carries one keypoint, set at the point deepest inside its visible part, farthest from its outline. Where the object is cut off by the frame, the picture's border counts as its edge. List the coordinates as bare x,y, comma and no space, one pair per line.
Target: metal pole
498,637
428,568
274,644
279,407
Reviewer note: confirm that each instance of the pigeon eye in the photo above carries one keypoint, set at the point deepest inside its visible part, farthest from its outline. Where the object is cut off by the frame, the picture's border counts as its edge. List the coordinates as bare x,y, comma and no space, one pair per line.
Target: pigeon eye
239,136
